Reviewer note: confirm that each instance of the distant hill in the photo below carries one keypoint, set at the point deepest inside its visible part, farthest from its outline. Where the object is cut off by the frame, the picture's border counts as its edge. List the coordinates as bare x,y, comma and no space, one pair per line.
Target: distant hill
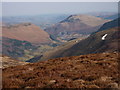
76,24
84,72
92,44
115,16
105,15
40,20
26,32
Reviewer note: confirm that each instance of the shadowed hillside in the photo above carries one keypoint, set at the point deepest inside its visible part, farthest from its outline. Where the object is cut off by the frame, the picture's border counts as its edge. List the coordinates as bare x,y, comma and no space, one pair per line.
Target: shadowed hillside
16,48
55,51
112,24
92,44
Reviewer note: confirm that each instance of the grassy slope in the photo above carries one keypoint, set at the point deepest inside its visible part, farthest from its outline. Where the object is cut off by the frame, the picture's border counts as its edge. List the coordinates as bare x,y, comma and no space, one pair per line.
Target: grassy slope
58,50
92,44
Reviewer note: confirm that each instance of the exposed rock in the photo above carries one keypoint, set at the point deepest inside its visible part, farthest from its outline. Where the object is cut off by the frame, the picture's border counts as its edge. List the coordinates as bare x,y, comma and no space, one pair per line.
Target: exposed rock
52,81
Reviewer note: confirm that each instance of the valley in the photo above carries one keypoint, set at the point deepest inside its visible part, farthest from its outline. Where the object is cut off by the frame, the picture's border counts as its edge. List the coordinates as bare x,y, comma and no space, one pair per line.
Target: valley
78,50
91,44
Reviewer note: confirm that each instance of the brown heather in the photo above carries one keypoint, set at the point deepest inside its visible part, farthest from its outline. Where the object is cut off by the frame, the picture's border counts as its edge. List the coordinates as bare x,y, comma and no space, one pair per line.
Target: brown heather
84,71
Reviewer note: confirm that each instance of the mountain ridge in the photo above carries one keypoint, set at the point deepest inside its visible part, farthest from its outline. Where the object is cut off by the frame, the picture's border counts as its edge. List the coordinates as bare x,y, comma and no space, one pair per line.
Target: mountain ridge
76,24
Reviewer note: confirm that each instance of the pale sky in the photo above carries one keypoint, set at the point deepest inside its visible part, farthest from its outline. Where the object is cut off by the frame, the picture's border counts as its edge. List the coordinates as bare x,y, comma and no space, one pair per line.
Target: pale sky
37,8
60,0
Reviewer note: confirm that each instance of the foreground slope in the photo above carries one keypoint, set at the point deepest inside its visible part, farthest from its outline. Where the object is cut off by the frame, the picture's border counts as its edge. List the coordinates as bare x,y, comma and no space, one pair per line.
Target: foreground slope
85,71
8,62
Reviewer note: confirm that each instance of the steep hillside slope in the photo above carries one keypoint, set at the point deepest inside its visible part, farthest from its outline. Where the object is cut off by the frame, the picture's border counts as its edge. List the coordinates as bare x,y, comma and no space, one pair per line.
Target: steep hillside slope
85,71
95,44
26,32
55,51
82,24
92,44
16,48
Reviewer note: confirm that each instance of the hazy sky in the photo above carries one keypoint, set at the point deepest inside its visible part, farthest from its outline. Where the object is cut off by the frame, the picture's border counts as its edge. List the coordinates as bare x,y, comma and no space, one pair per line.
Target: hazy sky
30,8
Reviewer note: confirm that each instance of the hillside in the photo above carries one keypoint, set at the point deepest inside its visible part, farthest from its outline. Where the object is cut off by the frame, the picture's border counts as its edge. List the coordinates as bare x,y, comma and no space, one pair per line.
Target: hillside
17,49
24,41
111,24
85,71
55,51
26,32
76,24
8,62
92,44
95,44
